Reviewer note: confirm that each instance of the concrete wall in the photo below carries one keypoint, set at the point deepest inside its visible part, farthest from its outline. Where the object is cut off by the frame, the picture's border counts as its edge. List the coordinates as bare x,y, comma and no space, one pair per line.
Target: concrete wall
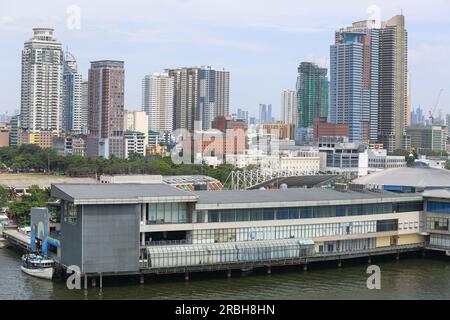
110,238
410,239
383,242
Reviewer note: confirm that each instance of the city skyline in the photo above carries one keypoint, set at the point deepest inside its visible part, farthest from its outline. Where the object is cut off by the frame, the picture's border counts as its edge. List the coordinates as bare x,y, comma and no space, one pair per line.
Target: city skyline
263,58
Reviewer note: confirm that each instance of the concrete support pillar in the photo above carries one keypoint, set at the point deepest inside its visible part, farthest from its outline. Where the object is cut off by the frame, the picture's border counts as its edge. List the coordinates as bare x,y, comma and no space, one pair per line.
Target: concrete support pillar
101,281
85,282
186,276
93,282
269,270
142,238
229,274
142,279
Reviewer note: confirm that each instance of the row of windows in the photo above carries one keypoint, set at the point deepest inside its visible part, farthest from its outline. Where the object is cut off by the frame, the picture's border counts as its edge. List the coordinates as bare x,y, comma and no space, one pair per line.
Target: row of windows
165,213
293,232
438,207
441,224
233,215
440,240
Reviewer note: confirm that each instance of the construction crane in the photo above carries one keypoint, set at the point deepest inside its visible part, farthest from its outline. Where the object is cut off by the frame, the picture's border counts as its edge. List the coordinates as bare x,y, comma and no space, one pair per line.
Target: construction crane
433,111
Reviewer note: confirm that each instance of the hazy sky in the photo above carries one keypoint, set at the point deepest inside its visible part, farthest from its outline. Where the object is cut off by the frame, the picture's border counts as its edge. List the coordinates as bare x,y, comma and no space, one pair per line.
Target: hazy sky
260,42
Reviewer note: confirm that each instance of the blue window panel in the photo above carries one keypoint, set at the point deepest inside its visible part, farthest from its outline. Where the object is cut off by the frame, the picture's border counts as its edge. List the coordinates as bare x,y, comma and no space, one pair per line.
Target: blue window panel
438,207
293,213
340,212
269,214
306,213
282,214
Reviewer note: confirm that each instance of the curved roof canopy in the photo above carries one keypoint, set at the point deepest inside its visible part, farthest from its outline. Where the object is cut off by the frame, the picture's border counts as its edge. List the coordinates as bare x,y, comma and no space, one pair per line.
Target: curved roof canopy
418,177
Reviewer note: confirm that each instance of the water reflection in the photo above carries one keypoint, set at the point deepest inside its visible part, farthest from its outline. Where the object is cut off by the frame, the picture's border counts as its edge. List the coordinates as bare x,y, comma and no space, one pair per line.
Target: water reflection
413,278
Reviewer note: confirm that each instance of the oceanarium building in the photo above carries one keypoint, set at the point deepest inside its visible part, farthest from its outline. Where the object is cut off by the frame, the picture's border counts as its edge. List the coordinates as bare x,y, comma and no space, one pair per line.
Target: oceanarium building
157,228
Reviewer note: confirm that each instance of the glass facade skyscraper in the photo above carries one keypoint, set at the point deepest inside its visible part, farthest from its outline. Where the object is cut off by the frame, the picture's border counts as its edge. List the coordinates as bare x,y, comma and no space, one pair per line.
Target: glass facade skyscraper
354,61
312,93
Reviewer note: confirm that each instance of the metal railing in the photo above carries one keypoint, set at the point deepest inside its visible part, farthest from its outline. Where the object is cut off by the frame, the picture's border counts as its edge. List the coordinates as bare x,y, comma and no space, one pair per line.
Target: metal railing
167,242
324,256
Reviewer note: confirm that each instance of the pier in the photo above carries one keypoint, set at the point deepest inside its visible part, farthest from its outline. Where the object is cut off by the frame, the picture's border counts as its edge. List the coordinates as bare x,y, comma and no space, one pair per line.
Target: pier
301,261
17,239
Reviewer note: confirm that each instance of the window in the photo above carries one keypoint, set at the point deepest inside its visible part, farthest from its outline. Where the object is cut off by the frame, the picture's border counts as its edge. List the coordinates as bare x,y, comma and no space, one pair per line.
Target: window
268,214
306,213
282,214
293,213
72,213
438,207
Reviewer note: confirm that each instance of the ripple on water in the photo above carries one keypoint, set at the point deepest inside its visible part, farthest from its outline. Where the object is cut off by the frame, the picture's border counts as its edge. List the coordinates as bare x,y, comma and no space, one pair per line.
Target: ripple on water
407,279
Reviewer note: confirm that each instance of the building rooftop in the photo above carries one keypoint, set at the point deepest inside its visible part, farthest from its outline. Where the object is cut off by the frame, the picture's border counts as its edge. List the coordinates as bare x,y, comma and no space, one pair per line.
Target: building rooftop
418,177
441,193
25,180
120,193
294,197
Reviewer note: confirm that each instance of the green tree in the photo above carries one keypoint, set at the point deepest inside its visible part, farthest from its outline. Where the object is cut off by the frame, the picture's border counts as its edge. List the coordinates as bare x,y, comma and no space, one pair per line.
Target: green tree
20,209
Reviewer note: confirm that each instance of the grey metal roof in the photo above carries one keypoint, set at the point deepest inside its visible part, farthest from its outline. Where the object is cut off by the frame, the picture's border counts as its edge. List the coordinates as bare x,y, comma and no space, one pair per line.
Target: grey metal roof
442,193
120,193
292,195
408,176
300,181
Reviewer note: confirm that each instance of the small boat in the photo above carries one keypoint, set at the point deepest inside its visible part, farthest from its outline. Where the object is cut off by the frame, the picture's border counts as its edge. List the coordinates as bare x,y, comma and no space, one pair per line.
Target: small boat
38,266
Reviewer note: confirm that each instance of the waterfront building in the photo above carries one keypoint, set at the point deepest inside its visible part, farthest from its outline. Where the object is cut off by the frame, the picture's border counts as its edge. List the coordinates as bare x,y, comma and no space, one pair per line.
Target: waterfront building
289,107
158,101
106,109
159,228
428,138
42,83
437,219
72,109
312,94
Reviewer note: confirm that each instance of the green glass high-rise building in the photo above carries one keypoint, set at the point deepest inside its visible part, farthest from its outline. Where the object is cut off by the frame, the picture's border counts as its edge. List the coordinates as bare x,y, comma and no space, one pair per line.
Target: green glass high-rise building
312,93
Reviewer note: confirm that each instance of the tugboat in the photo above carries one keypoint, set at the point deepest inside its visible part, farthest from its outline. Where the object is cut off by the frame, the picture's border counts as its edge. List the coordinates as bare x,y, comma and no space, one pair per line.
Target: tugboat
38,266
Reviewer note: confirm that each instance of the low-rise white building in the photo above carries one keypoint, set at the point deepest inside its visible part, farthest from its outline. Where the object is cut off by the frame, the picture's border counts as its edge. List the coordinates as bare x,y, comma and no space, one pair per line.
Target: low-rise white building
135,142
379,160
